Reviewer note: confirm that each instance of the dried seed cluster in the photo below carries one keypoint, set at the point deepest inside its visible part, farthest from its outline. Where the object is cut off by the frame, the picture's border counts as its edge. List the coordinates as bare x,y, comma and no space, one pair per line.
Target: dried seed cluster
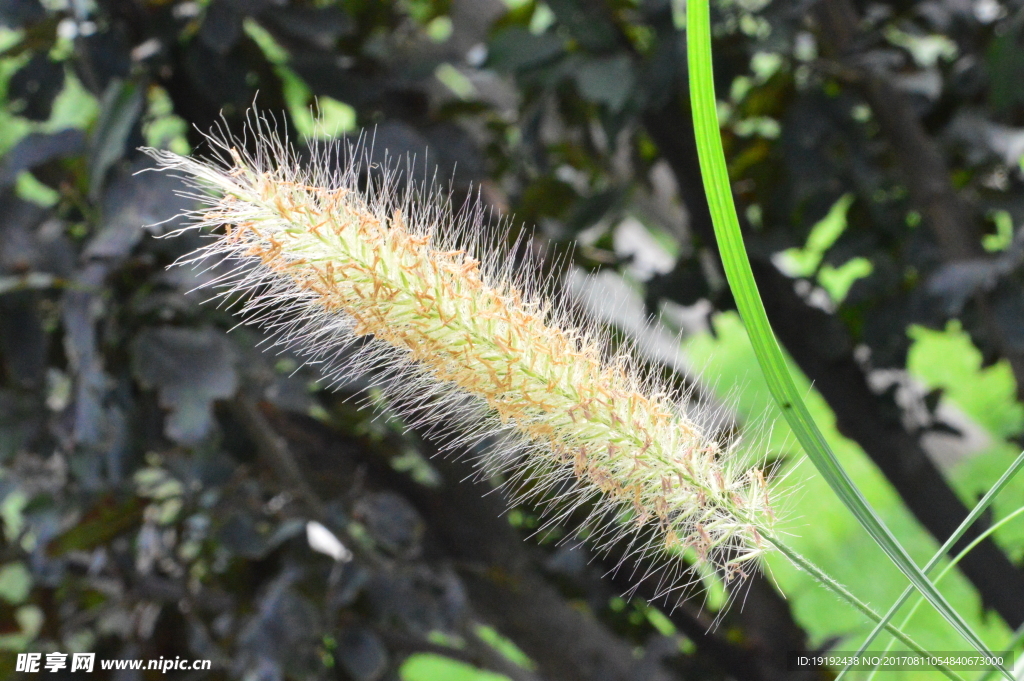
322,264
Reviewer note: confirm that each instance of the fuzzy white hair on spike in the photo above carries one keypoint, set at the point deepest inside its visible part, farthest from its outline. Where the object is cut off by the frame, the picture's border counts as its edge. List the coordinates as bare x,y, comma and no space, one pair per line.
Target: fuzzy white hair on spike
366,276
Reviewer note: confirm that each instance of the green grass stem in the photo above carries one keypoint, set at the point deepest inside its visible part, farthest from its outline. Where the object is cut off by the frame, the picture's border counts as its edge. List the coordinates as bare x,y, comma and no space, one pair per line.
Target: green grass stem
773,364
967,549
979,508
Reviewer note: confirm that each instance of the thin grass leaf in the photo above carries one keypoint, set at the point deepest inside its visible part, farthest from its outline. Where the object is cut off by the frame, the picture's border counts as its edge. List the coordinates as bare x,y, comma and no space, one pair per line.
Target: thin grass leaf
1014,642
835,587
741,282
979,508
946,570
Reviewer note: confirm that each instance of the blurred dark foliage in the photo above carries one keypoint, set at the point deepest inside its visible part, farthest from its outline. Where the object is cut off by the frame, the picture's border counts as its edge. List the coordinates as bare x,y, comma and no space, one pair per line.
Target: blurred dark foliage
160,472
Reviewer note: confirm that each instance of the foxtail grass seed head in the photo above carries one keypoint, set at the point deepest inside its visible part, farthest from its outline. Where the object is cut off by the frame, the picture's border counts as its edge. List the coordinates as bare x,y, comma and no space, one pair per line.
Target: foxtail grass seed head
395,281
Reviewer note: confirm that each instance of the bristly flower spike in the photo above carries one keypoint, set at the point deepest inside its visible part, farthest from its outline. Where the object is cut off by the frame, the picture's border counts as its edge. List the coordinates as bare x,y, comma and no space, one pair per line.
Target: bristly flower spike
395,281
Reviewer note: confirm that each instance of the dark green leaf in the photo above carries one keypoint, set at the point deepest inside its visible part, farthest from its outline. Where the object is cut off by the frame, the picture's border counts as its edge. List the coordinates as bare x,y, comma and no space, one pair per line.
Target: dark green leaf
120,109
189,368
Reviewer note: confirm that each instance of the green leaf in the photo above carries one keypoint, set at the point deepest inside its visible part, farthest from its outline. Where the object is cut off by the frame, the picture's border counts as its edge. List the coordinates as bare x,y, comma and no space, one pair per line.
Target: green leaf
766,347
107,519
190,369
973,516
121,108
429,667
517,49
607,80
953,563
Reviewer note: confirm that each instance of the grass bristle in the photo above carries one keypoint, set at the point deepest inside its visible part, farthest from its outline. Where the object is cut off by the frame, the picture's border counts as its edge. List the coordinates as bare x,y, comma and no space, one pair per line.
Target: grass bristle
393,280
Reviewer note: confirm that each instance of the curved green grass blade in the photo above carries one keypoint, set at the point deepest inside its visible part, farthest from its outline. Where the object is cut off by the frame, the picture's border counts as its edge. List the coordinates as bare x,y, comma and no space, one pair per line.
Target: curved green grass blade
979,508
835,587
1018,637
945,571
748,300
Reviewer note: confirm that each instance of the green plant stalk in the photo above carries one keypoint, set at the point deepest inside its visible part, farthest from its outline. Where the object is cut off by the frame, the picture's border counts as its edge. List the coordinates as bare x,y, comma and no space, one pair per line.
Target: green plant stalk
832,585
773,364
945,571
979,508
1018,637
